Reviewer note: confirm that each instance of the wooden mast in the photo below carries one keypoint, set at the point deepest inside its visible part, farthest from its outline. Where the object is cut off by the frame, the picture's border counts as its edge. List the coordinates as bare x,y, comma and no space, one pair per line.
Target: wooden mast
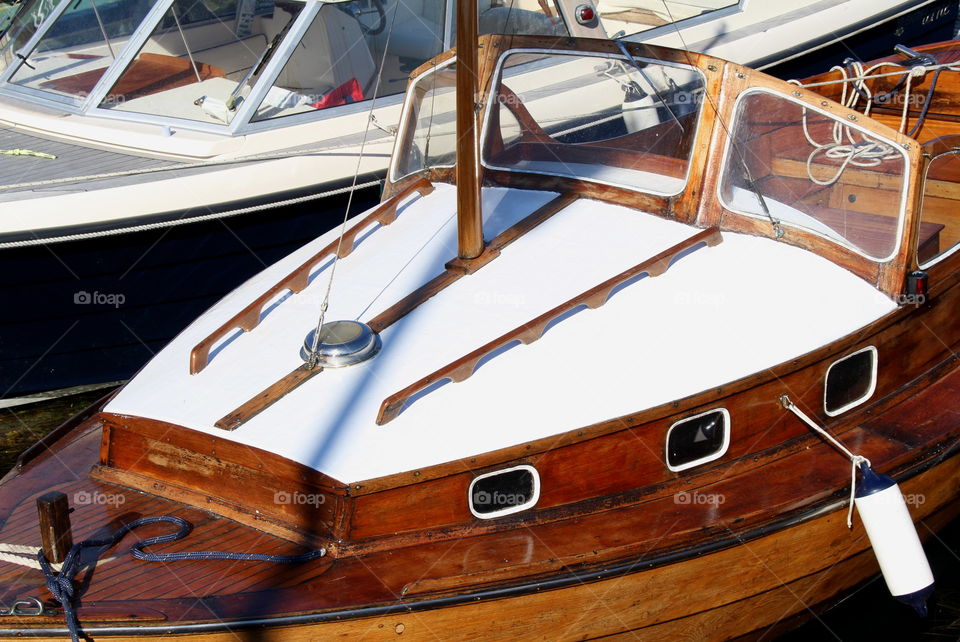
469,223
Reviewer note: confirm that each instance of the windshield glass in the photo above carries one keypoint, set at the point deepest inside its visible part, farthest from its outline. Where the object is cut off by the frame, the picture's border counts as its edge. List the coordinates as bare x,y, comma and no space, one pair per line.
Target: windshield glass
74,53
429,128
355,51
18,23
814,171
360,49
601,119
625,17
202,58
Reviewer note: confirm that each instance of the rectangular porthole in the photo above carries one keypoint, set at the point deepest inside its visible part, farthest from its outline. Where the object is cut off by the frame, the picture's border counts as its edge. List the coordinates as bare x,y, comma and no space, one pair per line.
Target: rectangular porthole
697,440
504,492
850,381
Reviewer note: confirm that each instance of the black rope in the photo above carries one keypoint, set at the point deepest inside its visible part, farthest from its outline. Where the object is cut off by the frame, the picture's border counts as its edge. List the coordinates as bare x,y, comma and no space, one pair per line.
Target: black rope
61,584
926,102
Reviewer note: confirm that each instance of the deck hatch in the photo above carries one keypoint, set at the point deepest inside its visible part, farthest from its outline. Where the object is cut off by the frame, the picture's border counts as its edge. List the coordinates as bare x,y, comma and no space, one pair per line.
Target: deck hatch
850,381
698,439
504,492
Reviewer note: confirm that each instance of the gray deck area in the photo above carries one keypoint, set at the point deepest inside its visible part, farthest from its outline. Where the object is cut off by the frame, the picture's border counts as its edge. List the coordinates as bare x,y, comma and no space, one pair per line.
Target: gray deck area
71,161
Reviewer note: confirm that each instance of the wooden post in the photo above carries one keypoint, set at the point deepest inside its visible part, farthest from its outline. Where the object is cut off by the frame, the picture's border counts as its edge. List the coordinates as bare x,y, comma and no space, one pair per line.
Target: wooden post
54,513
469,222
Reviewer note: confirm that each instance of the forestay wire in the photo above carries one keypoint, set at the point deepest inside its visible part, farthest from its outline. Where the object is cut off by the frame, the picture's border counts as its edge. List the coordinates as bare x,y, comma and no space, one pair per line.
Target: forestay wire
313,356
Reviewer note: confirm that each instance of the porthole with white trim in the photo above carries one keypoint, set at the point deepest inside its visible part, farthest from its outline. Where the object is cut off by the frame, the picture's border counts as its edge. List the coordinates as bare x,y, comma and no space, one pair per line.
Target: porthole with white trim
850,381
699,439
504,492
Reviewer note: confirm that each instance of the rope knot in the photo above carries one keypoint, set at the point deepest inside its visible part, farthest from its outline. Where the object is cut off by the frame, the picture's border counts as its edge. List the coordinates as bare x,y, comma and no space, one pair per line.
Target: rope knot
917,71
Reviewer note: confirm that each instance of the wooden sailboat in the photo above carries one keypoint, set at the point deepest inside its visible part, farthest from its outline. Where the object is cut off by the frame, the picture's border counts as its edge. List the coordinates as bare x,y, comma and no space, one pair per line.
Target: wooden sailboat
613,383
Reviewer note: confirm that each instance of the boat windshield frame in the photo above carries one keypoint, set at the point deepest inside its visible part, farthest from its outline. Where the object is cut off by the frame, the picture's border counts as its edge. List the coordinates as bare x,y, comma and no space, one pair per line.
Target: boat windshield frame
905,178
629,63
90,104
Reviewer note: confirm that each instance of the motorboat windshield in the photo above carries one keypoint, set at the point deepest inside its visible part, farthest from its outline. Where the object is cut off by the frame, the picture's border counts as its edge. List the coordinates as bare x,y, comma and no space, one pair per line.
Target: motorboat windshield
214,63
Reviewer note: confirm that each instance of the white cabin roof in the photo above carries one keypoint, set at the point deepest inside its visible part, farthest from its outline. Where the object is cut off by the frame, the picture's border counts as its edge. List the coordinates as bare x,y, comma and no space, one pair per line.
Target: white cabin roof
718,314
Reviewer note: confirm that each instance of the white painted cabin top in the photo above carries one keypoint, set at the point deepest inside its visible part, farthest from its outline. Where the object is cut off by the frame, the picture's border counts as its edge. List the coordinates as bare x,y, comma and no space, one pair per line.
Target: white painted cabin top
718,314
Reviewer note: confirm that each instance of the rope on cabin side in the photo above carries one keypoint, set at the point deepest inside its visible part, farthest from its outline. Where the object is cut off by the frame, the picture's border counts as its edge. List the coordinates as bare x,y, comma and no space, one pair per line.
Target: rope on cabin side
866,152
61,585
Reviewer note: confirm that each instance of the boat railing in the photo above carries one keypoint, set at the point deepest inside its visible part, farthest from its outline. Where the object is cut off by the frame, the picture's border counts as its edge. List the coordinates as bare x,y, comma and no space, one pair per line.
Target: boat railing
529,332
249,317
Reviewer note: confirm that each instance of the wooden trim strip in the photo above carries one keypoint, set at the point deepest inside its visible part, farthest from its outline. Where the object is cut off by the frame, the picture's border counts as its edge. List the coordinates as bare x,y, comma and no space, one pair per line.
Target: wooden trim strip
249,317
455,269
529,332
260,402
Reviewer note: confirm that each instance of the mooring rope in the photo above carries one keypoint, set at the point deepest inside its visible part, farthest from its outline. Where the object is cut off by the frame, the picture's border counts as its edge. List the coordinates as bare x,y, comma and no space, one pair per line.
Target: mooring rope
61,585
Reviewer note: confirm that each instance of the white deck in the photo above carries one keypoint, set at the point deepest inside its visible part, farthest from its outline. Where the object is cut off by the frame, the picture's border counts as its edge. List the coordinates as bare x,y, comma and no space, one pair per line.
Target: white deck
718,314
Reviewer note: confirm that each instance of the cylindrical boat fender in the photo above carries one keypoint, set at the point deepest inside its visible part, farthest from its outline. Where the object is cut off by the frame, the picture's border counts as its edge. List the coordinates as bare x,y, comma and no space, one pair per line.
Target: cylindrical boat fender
640,112
894,539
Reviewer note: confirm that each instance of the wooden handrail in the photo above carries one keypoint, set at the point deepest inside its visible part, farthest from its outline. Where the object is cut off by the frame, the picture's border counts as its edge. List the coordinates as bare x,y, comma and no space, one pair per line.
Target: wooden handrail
249,317
453,271
529,332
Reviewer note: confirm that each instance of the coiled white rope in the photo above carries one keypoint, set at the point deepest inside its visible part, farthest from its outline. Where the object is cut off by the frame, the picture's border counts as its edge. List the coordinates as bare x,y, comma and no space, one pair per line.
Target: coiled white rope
844,147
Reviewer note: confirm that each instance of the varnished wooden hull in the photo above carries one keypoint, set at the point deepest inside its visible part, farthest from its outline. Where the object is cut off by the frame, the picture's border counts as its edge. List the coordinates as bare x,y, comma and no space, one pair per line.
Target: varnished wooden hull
742,583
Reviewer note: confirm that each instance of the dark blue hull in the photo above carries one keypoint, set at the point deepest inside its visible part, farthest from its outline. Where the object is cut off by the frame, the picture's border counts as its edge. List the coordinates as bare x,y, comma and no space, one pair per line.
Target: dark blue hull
92,311
931,23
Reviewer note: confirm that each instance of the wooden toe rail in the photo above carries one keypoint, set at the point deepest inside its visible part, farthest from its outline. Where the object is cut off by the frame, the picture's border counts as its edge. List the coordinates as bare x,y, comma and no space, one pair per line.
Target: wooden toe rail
529,332
249,317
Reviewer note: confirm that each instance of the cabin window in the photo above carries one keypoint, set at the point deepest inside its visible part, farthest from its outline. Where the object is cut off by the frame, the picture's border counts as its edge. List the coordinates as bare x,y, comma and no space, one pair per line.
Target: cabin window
428,125
76,50
504,492
940,213
788,163
698,439
602,119
850,381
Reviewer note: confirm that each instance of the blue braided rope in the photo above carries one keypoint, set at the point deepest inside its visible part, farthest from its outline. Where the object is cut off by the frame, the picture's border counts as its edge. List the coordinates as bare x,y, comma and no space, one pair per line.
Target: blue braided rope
61,586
